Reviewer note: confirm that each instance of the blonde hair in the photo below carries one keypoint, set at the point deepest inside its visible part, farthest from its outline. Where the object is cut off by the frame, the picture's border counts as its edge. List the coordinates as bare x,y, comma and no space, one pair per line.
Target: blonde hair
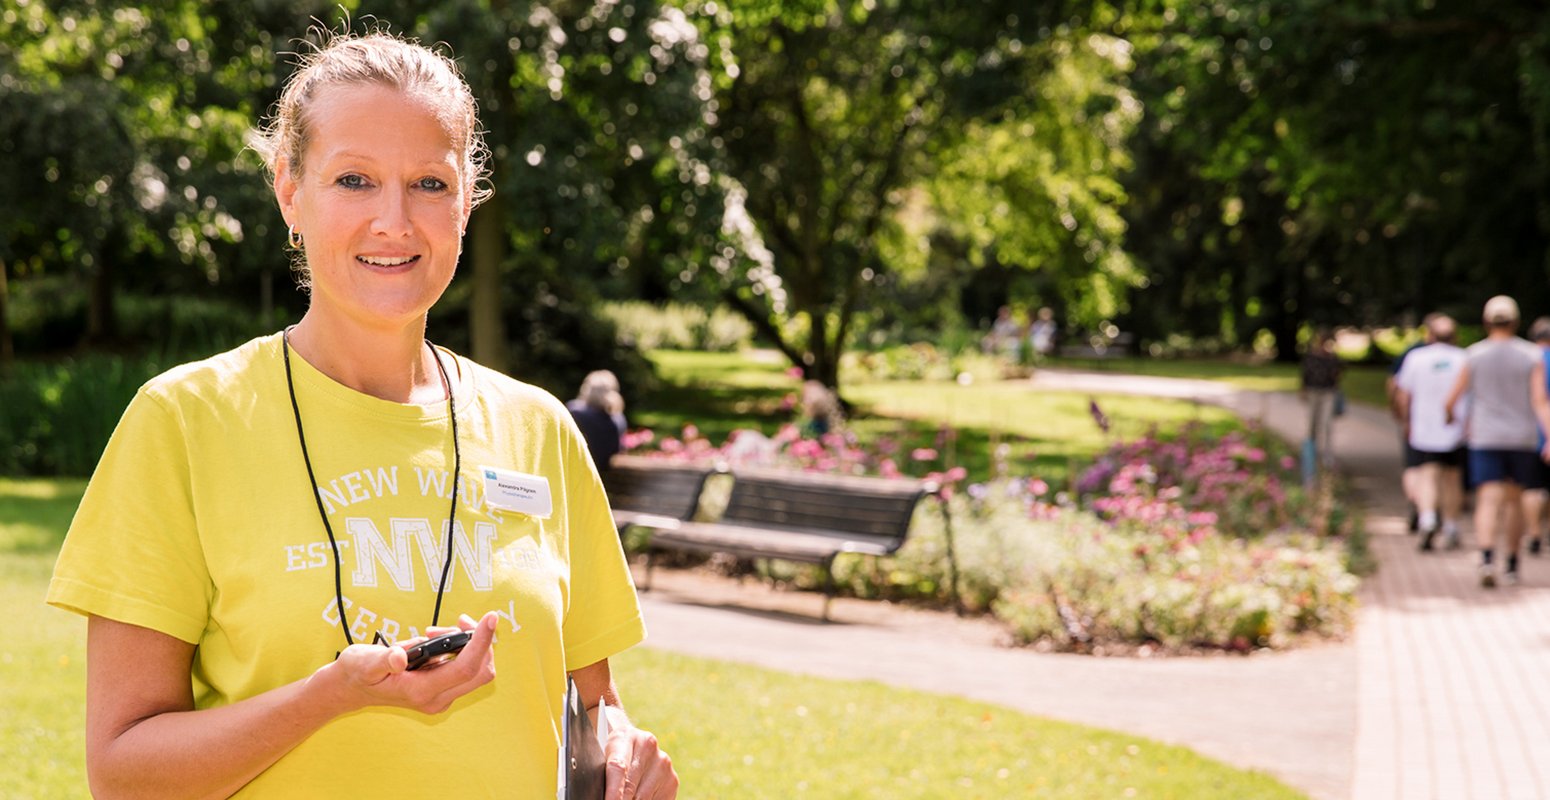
381,58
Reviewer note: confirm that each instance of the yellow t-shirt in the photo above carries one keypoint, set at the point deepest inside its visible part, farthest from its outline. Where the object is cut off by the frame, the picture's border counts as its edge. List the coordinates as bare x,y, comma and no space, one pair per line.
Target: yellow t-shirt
199,522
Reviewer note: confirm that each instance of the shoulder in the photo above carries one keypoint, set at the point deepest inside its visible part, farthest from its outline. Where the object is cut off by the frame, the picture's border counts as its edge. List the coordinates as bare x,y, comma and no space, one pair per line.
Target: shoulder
506,394
216,379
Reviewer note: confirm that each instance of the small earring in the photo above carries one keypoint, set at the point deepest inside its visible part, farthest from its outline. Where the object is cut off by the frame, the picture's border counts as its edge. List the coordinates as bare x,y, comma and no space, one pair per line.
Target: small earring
295,238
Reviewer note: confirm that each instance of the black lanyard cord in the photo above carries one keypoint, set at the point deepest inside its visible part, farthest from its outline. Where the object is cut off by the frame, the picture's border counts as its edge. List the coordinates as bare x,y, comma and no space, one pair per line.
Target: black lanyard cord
457,467
457,462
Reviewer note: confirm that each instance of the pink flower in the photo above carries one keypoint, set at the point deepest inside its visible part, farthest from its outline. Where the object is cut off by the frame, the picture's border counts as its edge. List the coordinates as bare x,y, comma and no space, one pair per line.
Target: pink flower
955,474
923,454
691,431
888,469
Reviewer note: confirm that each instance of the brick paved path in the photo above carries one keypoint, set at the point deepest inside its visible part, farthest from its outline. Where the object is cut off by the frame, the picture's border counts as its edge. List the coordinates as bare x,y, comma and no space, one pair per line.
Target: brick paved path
1444,693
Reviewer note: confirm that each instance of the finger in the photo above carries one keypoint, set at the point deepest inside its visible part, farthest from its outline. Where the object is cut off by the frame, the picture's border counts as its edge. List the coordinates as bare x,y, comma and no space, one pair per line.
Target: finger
643,755
658,780
368,664
616,782
474,665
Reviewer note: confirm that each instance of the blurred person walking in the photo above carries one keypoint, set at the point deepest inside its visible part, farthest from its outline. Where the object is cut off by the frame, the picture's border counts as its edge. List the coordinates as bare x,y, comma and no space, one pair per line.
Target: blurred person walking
1412,466
1435,443
1504,379
1321,372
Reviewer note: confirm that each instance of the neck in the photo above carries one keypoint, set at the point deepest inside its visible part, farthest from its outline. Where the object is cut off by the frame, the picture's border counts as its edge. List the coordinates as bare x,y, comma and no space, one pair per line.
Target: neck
392,365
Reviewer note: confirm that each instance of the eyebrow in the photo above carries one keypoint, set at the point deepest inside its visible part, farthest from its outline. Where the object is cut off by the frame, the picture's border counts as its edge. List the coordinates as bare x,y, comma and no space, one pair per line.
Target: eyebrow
350,155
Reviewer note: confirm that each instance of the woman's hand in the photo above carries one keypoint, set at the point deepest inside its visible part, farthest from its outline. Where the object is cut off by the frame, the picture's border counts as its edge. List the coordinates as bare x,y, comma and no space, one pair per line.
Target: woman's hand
637,768
372,675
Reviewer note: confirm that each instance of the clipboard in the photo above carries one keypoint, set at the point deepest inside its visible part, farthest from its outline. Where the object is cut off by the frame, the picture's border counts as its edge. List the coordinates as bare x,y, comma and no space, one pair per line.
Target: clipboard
582,768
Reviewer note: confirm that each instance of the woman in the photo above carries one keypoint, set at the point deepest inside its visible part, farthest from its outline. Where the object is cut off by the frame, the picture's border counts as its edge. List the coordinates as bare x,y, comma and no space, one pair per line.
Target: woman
269,529
599,412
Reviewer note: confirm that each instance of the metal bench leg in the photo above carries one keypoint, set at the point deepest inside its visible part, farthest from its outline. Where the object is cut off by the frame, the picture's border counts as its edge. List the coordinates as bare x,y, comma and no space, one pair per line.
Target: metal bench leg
651,560
828,587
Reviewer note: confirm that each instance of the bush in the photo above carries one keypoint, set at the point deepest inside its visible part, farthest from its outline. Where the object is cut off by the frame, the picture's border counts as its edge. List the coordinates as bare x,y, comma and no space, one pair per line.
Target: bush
922,361
55,418
1064,579
673,326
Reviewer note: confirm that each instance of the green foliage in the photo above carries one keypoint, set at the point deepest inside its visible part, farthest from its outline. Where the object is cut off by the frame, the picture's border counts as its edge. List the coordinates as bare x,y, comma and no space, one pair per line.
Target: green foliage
56,417
676,326
833,117
1320,162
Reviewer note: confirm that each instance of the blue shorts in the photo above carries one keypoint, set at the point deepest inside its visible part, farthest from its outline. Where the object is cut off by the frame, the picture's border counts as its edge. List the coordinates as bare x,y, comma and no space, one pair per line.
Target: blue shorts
1522,467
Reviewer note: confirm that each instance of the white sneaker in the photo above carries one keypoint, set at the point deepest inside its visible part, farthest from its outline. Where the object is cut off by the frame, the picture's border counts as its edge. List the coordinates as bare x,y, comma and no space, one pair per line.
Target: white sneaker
1451,536
1510,578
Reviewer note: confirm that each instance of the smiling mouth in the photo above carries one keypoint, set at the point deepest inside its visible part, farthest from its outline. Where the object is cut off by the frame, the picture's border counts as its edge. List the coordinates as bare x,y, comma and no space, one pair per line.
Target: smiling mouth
377,261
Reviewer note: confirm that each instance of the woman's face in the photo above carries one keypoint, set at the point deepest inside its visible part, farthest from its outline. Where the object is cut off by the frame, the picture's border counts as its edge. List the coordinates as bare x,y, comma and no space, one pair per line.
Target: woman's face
380,204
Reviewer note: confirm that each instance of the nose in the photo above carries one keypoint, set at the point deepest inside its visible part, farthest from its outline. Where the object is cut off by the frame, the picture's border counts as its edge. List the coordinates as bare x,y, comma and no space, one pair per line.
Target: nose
392,217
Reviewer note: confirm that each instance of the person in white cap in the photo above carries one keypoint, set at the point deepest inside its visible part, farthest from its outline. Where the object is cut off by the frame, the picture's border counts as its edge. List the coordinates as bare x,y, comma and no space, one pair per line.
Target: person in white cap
1504,378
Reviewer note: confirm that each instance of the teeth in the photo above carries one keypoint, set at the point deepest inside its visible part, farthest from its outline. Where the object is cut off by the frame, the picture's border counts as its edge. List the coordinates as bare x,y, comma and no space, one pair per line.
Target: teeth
386,262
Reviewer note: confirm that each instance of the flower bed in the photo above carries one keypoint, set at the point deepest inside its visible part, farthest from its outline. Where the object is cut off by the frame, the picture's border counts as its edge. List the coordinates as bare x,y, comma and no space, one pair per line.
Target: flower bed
1174,543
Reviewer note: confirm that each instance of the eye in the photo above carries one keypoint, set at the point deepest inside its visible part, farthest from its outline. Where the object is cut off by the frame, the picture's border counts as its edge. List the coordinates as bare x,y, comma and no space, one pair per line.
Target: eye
351,181
431,184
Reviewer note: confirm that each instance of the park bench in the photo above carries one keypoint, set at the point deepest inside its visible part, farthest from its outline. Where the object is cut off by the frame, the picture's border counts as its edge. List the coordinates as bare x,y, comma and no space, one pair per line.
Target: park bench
651,493
789,516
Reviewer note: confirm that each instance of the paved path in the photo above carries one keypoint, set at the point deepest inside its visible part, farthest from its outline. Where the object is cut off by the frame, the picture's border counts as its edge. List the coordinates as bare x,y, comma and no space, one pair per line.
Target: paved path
1444,691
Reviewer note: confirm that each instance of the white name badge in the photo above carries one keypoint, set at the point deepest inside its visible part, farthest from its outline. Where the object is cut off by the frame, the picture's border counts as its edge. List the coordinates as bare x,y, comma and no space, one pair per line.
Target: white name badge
517,491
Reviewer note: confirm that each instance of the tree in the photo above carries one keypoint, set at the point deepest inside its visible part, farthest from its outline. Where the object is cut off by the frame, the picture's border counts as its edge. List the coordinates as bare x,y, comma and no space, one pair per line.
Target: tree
1337,164
829,113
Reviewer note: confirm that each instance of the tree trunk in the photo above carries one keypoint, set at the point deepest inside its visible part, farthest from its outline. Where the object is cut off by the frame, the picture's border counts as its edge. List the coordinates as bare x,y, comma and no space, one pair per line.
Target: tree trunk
7,349
487,251
101,321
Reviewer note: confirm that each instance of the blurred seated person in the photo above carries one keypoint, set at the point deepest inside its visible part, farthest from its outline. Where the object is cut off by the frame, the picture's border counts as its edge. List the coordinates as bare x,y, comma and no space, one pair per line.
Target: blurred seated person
1004,334
599,412
821,410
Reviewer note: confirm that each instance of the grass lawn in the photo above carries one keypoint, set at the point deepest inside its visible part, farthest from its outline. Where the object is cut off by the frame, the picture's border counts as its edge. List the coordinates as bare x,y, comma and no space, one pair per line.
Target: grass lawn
734,731
1044,431
1363,383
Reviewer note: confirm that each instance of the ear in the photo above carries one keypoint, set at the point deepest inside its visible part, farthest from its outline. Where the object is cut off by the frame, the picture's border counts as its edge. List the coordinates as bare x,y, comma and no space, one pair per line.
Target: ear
285,186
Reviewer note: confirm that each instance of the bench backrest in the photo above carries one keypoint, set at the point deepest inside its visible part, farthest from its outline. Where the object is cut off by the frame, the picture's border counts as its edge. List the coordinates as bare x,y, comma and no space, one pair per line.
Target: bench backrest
874,509
654,487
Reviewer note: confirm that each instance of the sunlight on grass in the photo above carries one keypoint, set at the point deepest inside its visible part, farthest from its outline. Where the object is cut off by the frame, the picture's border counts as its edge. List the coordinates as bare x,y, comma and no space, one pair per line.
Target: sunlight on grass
42,686
749,733
1044,433
35,513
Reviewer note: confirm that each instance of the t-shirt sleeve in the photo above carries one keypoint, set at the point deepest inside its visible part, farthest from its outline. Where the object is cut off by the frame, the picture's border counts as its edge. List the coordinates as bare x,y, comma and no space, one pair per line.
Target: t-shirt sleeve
133,552
1405,378
603,617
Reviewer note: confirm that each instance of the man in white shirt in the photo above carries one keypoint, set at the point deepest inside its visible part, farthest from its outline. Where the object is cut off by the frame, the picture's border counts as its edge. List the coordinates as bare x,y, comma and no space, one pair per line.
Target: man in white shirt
1420,393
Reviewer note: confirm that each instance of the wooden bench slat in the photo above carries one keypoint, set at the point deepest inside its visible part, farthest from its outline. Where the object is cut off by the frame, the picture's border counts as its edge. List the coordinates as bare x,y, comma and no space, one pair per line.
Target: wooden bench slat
778,514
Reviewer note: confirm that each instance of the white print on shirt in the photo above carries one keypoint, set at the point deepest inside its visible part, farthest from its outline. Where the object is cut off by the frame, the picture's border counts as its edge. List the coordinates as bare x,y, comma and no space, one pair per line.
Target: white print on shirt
393,555
438,483
361,624
348,489
308,556
370,484
371,549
